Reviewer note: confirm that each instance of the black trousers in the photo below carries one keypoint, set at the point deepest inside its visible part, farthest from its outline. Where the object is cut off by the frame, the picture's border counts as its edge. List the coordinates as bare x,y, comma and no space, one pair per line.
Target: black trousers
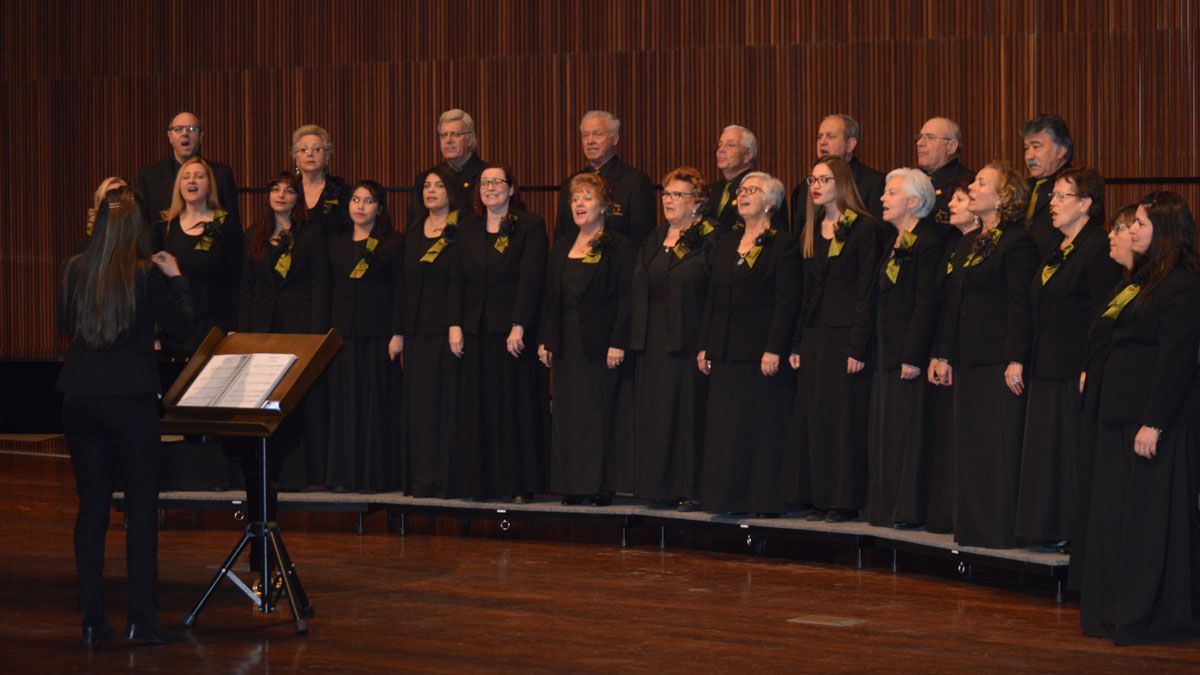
106,433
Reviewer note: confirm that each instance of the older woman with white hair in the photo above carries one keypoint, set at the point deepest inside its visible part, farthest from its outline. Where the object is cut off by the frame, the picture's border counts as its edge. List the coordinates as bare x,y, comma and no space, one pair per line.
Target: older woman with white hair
901,423
745,334
327,197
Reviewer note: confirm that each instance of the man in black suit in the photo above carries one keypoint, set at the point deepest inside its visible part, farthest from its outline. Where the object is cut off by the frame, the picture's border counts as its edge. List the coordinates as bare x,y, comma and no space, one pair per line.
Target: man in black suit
737,153
1048,152
632,212
838,135
457,142
939,143
156,182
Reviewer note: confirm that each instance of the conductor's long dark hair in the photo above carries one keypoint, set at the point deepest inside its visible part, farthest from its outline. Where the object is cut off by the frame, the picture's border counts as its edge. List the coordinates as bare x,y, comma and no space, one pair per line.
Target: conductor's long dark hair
1174,242
100,285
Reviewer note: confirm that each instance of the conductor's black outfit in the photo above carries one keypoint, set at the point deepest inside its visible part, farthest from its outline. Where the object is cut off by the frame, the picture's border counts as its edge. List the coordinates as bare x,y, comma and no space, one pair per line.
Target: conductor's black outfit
110,420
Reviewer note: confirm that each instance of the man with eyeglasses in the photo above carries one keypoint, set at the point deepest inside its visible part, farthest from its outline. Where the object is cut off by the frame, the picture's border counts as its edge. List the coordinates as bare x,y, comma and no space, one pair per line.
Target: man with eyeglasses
156,182
632,212
939,143
457,143
737,155
838,135
1048,150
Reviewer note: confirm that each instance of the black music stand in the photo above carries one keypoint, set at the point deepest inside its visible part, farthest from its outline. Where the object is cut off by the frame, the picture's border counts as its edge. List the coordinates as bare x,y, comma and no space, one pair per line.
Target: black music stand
313,354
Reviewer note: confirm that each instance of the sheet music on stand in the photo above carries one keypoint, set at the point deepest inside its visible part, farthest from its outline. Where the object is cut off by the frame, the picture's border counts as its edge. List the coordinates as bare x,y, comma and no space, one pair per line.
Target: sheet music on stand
237,380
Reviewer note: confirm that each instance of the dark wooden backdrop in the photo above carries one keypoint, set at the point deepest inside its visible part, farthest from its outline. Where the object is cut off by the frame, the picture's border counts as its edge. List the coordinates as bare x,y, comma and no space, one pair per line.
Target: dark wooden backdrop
88,88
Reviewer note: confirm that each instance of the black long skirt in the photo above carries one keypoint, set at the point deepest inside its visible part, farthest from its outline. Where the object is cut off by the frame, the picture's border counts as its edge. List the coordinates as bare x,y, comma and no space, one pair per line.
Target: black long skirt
745,432
364,390
670,394
1048,462
899,448
939,516
306,466
831,417
504,418
433,464
988,431
1141,580
584,423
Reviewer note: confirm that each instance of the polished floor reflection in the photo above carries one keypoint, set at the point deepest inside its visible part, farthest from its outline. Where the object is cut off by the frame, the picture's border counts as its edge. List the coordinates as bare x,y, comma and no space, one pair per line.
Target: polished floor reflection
442,603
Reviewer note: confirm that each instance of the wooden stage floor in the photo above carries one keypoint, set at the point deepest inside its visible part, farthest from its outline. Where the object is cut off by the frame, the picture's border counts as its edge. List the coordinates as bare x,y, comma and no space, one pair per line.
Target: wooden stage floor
433,601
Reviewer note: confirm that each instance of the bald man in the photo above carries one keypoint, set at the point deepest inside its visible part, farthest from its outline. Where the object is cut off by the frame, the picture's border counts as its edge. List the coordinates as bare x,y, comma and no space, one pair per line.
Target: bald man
939,143
156,182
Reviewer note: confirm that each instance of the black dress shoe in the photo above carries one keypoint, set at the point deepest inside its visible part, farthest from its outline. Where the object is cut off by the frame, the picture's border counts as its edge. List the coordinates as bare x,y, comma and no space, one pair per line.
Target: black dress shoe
601,500
95,633
815,515
154,633
687,506
572,500
840,515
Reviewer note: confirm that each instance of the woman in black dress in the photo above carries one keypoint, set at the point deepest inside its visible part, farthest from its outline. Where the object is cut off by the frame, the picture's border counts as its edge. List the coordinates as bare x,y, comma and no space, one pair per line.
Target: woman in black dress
434,463
901,422
285,289
583,336
1066,296
749,316
325,196
208,246
939,516
985,346
112,298
366,306
670,284
495,301
832,350
1140,583
1099,340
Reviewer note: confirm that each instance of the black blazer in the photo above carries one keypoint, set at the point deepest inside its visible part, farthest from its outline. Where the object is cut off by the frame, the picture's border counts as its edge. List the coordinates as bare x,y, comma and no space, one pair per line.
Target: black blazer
943,191
1063,308
156,182
427,285
950,276
870,184
604,307
469,174
751,310
632,193
297,303
987,312
508,284
687,288
373,305
907,310
728,217
1150,374
332,211
840,291
1040,226
129,366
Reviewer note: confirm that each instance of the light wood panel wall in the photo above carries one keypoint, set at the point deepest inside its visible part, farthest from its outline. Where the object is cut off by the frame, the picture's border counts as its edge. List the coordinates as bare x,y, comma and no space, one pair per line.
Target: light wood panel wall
88,88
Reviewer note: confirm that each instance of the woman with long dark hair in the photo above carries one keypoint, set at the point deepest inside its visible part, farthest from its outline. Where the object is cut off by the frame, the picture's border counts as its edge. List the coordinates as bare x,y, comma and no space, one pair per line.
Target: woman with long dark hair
366,306
435,464
1140,583
841,247
113,297
285,289
495,301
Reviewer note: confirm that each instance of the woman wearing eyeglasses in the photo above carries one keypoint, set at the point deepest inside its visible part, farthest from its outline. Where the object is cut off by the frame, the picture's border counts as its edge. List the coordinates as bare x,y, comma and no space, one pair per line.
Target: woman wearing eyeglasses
749,315
842,246
984,348
325,196
495,301
1141,581
670,284
1069,292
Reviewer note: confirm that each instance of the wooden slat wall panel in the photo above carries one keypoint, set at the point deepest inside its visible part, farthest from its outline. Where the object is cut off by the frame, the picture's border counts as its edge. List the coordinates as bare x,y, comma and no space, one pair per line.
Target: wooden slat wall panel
93,98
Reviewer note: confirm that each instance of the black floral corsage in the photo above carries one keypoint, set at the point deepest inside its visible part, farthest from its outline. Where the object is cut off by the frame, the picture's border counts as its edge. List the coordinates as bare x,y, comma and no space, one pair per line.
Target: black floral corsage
597,246
212,230
692,238
983,246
